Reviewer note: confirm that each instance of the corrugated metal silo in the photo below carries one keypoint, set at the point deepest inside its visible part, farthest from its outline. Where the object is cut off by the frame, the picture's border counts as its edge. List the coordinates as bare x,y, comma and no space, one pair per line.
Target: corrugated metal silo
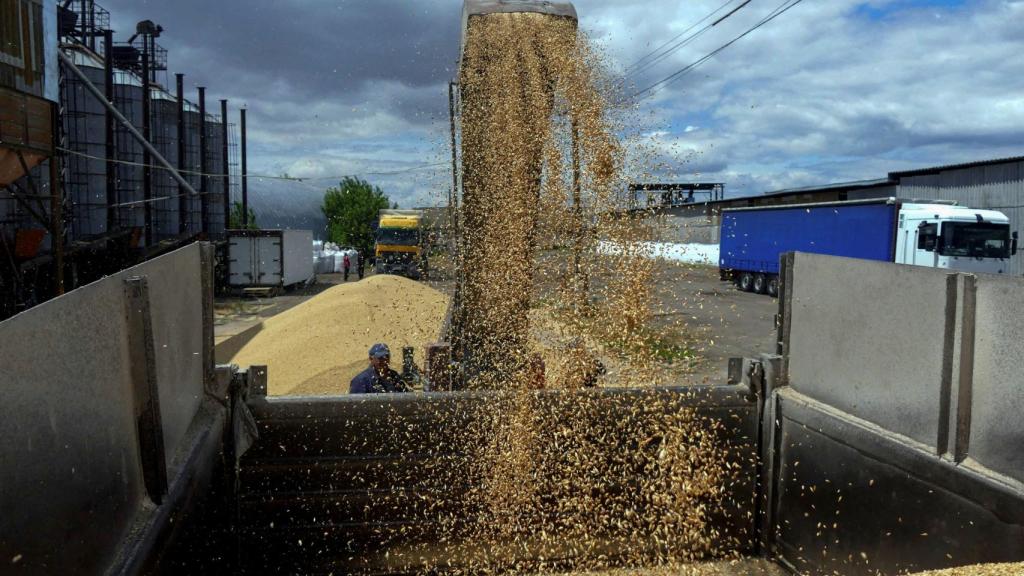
192,167
128,99
214,184
84,121
164,135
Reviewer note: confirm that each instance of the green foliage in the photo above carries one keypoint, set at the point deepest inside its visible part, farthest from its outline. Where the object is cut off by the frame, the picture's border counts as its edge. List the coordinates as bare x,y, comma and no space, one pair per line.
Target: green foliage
352,211
235,218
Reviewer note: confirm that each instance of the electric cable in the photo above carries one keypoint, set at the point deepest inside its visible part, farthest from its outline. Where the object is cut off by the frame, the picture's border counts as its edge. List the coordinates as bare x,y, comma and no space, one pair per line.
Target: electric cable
780,10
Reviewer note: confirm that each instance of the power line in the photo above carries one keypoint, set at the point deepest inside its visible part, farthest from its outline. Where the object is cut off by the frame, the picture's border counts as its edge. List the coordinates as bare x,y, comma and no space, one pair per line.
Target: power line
261,176
686,41
676,37
779,11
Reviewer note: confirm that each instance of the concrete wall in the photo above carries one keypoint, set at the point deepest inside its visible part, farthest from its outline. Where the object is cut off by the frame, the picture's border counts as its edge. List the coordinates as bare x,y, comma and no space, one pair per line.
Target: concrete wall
896,444
71,482
997,401
847,311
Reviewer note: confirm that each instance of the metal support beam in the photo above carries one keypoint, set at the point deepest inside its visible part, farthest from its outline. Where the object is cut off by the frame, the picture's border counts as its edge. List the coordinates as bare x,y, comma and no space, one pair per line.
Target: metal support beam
245,174
148,419
19,197
204,203
183,220
147,171
453,197
227,164
111,147
581,284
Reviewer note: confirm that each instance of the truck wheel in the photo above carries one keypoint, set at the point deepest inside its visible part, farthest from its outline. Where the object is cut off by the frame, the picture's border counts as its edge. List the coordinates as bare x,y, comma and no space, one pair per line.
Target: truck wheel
760,284
773,286
745,282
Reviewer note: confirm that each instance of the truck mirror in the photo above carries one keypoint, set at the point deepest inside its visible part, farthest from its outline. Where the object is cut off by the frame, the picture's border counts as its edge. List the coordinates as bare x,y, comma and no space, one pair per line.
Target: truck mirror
940,243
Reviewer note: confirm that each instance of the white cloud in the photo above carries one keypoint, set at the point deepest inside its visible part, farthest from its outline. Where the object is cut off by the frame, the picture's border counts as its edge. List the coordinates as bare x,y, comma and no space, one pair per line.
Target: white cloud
824,93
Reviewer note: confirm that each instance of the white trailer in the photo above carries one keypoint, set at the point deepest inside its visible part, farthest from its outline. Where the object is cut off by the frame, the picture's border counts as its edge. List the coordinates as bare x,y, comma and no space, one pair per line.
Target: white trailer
269,258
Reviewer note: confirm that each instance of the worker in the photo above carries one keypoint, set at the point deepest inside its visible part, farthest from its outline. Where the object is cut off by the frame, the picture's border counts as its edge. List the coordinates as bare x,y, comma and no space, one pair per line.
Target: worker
378,377
360,260
345,265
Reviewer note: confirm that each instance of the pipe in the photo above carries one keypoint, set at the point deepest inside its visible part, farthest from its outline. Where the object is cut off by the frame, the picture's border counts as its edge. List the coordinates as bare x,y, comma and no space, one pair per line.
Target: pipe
147,171
582,287
56,208
245,175
182,196
453,198
124,121
111,147
204,201
227,165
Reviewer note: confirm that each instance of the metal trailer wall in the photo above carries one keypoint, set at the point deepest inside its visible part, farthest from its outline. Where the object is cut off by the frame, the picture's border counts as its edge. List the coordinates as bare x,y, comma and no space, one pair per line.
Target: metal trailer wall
164,136
752,239
128,99
315,495
110,408
192,166
997,186
214,224
84,121
894,441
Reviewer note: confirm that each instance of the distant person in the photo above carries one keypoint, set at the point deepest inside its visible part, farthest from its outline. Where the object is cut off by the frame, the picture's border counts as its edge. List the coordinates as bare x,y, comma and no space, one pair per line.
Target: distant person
345,266
360,262
379,377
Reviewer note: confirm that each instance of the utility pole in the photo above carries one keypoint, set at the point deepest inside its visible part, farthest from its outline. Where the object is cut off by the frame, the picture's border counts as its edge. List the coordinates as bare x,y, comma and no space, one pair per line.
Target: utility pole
245,175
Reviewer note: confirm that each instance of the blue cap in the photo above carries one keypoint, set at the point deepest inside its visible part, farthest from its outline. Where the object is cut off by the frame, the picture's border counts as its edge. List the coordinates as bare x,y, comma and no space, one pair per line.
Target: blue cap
380,351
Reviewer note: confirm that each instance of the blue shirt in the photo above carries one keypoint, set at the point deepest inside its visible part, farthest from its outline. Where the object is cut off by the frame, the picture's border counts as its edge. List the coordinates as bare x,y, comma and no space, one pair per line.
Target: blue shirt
369,382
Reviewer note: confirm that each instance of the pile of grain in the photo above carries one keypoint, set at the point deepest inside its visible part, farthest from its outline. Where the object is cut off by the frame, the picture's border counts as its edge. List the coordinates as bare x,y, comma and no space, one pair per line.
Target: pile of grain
1016,569
318,346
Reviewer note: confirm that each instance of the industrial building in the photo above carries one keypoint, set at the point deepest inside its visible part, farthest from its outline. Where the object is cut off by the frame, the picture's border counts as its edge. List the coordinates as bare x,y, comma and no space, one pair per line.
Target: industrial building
103,163
996,184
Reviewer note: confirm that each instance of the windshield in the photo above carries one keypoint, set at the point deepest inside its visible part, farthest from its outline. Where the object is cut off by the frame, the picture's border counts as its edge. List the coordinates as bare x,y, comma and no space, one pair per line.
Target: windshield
976,239
398,237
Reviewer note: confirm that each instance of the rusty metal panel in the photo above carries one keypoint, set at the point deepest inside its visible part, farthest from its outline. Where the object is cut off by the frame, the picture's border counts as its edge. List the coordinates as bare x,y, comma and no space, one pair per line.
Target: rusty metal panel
26,122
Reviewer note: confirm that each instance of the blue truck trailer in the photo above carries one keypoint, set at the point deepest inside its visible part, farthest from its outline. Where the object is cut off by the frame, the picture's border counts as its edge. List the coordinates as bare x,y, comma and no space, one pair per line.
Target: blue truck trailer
922,233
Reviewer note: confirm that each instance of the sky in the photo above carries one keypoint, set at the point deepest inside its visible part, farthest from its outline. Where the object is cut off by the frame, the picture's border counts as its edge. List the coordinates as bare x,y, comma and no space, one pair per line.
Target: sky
829,91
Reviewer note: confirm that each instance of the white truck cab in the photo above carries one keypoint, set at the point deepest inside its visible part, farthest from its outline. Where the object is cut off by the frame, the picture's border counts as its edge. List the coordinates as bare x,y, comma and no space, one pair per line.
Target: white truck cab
954,237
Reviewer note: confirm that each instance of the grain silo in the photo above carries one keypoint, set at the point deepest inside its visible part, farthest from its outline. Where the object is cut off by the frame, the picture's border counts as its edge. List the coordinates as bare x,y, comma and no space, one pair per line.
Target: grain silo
129,188
190,167
84,121
164,136
215,217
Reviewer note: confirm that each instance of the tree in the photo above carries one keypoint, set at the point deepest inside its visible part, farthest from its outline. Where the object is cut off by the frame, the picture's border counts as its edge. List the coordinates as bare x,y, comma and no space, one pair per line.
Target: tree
235,219
352,210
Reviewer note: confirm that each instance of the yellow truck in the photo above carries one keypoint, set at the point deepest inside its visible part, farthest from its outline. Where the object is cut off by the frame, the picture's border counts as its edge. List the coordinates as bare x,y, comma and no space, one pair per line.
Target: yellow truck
400,244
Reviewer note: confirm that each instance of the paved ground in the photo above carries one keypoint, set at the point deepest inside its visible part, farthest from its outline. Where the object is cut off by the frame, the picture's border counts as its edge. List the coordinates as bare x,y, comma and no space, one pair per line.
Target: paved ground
233,315
720,321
